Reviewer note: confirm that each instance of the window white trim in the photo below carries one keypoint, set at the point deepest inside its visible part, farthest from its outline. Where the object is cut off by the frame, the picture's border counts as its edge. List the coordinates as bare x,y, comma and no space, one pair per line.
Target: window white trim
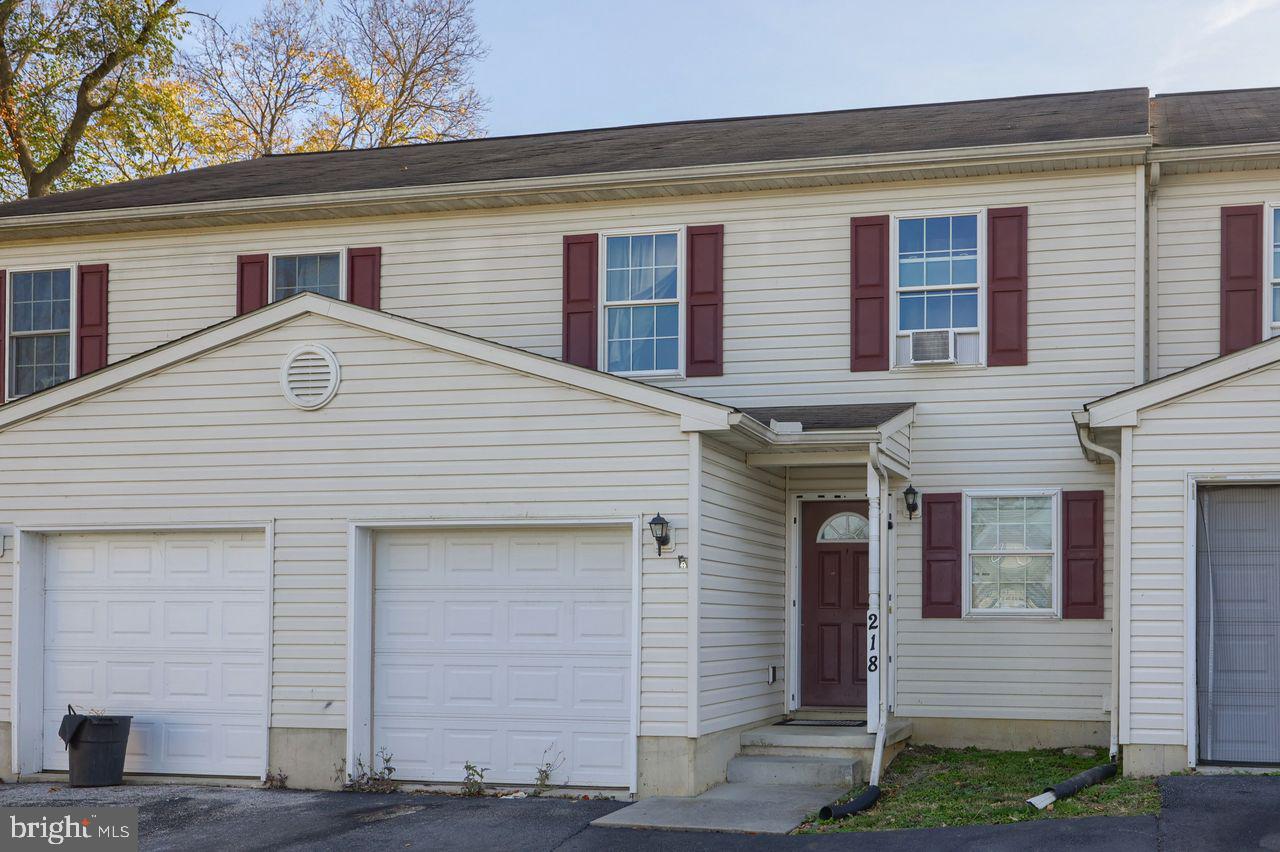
895,333
342,268
603,303
7,332
1055,582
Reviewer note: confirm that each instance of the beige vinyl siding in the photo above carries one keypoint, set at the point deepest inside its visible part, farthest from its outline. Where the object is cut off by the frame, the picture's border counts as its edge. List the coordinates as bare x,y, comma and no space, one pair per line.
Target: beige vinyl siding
1188,248
412,433
999,667
497,274
899,443
1243,418
742,593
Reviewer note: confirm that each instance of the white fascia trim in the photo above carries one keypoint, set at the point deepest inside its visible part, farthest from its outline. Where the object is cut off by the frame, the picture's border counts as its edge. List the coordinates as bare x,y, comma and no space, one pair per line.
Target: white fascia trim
1136,146
1122,409
696,414
1215,152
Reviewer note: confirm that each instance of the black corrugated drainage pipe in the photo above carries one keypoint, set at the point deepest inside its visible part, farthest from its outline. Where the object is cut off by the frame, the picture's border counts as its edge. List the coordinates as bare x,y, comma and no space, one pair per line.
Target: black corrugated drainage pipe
1072,785
861,802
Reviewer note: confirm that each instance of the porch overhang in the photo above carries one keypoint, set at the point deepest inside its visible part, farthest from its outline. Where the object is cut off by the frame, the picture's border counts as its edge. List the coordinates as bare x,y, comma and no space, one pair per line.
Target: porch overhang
828,435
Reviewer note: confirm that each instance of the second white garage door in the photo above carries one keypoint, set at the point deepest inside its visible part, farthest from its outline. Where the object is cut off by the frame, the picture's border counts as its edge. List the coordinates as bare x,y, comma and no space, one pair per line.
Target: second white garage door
170,628
506,649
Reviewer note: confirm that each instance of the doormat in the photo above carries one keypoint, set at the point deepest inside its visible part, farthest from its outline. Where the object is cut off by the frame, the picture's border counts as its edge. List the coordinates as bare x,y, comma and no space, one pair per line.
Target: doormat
827,723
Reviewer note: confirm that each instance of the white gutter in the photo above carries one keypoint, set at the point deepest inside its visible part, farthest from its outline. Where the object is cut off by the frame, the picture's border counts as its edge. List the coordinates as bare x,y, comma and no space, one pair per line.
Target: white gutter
876,478
1082,432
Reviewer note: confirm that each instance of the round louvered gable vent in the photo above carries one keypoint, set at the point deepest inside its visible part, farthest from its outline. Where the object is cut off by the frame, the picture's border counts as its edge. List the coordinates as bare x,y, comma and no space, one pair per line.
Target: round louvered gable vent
310,376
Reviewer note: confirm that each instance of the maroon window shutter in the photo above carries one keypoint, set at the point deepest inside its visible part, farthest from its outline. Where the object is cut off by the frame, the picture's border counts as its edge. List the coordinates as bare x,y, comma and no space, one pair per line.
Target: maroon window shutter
943,576
1007,287
4,344
581,261
251,282
869,274
1082,546
91,318
364,277
1241,276
704,353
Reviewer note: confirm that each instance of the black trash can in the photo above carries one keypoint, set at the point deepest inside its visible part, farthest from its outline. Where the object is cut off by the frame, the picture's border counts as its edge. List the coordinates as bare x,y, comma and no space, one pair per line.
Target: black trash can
95,748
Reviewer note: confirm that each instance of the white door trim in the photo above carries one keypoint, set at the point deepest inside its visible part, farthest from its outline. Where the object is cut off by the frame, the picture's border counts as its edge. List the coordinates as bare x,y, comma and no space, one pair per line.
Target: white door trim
360,615
1191,707
26,704
793,555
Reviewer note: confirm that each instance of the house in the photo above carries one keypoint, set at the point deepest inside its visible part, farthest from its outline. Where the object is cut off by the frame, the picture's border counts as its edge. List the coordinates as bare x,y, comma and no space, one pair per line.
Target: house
315,456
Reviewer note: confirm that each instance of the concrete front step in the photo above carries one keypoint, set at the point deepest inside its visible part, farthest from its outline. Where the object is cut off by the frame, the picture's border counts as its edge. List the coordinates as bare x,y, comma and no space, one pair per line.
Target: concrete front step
822,740
776,769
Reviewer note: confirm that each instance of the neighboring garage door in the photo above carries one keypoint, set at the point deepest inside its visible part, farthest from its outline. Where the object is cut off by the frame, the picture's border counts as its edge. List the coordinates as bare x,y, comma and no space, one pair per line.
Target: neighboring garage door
507,649
170,628
1238,624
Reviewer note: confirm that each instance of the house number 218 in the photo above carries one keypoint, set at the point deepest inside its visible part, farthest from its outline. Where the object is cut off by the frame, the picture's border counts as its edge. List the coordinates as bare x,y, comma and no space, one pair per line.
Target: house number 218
873,657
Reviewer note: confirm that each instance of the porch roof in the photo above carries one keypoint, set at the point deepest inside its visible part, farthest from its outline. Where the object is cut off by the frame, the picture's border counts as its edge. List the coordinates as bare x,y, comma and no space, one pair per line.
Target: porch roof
817,417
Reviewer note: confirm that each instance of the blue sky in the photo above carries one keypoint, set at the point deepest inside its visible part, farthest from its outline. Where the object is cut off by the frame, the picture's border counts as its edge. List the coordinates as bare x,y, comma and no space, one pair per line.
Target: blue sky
567,64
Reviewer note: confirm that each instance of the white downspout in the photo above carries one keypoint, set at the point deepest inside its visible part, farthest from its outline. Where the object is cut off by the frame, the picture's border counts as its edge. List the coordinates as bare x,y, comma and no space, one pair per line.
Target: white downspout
1115,585
876,478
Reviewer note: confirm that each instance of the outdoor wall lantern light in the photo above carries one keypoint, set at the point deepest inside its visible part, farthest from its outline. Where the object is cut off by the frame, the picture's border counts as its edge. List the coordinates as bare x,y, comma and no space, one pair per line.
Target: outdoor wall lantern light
661,530
912,498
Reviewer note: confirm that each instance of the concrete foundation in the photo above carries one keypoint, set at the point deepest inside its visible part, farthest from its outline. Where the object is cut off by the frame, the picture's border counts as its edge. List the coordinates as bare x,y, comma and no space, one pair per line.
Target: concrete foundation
683,766
6,752
310,757
1147,760
1007,734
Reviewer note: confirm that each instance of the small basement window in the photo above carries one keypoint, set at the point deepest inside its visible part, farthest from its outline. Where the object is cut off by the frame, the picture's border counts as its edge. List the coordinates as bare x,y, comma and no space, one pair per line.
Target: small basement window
306,273
1012,559
39,330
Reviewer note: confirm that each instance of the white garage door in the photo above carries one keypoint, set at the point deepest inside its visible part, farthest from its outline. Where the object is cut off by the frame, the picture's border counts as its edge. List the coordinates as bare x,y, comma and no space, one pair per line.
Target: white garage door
507,649
170,628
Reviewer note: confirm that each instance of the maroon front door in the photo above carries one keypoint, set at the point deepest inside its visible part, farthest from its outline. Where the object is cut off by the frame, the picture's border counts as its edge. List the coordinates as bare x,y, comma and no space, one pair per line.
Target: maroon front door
833,606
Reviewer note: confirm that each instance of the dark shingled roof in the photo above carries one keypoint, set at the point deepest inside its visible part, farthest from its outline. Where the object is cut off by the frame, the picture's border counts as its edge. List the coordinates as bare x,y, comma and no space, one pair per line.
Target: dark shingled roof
815,417
1002,121
1192,119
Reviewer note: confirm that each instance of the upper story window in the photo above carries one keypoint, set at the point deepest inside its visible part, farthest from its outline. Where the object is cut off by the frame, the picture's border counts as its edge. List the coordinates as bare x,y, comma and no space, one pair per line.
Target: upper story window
39,330
938,278
1012,554
642,303
306,273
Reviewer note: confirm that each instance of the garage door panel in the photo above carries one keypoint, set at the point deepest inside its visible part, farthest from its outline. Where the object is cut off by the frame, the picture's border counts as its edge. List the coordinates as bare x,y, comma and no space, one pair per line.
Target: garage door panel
528,560
589,753
170,629
568,620
121,618
505,648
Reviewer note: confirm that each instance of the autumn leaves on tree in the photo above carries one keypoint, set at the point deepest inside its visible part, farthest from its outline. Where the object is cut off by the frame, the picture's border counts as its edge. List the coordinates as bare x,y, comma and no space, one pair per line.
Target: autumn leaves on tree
94,91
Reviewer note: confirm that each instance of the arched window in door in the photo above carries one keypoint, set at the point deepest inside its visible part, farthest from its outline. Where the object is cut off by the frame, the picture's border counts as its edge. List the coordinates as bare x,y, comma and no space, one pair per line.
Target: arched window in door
847,527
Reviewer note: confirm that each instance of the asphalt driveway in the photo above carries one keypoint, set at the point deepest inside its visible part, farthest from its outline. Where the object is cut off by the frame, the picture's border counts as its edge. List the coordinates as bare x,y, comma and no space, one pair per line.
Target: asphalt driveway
1200,813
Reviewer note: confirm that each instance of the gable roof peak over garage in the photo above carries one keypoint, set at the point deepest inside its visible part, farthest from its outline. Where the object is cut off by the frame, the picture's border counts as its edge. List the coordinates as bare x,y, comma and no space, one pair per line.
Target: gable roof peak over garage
1123,407
696,415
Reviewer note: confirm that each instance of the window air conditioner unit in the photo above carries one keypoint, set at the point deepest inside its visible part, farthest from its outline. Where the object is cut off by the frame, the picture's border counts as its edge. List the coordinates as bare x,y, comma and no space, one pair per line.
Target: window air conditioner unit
935,346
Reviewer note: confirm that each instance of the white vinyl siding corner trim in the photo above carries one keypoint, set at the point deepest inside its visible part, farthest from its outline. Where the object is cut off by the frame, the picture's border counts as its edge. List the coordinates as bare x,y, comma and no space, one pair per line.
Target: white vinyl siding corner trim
1055,579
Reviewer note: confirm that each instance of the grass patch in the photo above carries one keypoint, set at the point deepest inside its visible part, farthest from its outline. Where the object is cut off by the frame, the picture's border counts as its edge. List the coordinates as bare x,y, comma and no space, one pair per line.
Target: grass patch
929,787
